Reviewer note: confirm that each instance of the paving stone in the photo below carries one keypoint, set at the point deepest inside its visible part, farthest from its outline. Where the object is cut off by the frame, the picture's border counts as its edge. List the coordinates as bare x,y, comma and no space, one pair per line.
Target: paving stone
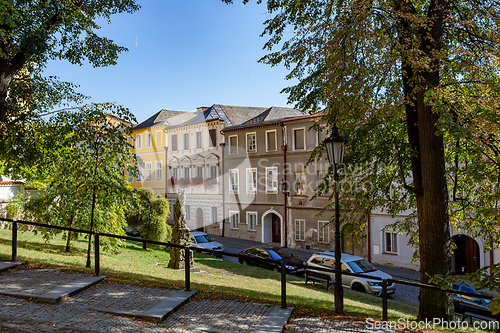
76,314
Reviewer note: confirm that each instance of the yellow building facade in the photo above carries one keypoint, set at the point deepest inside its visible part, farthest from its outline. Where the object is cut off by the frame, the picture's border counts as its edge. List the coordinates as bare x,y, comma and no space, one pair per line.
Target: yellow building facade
150,142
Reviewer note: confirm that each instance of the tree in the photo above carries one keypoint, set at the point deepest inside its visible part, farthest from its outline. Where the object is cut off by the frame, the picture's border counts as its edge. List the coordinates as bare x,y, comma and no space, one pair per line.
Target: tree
149,217
414,87
84,155
31,33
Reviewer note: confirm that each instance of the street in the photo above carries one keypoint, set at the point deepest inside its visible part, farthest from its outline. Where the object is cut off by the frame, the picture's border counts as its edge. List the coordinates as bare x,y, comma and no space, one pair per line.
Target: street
403,293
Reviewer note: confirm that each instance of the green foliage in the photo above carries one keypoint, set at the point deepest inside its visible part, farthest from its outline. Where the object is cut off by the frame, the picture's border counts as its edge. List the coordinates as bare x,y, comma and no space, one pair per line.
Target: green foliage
413,86
14,206
84,155
149,216
32,33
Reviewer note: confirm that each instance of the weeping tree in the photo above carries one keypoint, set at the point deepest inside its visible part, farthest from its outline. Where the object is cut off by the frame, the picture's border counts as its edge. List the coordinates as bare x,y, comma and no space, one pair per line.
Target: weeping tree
81,173
413,86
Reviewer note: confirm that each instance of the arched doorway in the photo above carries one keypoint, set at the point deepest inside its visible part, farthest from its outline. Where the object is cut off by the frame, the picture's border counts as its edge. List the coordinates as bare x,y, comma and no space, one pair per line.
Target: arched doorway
465,258
271,227
199,220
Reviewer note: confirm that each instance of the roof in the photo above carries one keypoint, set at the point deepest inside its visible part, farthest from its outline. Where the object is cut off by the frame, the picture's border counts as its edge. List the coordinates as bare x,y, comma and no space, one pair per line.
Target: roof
240,114
11,183
181,118
231,115
271,115
159,118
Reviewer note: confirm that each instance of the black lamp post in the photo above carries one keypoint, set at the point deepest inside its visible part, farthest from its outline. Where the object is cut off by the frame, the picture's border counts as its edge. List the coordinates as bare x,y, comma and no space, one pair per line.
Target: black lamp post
335,149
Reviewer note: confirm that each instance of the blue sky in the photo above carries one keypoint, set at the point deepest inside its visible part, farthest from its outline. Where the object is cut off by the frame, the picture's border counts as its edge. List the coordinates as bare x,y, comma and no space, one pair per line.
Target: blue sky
183,54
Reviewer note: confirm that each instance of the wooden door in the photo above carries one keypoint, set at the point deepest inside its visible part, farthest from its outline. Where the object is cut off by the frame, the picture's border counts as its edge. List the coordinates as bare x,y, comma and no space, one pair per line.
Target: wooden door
276,222
471,255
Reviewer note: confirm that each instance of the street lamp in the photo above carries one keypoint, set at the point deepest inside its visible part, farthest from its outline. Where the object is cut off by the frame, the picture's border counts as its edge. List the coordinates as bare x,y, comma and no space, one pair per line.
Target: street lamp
335,149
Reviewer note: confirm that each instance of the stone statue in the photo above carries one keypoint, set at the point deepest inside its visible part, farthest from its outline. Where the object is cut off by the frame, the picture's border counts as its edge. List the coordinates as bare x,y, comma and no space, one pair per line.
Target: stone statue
180,235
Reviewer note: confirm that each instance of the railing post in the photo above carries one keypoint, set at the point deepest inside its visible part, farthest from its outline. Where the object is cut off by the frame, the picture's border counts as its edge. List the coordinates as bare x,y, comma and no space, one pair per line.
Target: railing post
14,241
187,268
283,285
384,300
96,255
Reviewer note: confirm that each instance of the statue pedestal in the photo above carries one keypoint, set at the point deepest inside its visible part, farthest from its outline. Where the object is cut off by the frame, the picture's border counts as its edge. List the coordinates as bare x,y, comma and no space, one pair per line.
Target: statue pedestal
192,269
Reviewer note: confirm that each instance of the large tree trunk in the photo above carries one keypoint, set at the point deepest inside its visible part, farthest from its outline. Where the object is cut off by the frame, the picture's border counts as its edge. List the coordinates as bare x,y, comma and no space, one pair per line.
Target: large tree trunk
428,163
433,219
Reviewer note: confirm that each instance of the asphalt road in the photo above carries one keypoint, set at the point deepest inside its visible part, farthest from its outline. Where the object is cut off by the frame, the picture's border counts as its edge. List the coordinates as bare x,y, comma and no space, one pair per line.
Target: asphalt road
403,293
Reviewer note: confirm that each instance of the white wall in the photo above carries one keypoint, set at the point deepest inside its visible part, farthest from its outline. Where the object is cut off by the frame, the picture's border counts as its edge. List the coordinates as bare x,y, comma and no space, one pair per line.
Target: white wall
404,255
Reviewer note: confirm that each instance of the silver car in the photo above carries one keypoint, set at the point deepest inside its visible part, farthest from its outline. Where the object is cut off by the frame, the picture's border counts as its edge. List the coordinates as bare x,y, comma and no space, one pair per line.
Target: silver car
353,264
204,240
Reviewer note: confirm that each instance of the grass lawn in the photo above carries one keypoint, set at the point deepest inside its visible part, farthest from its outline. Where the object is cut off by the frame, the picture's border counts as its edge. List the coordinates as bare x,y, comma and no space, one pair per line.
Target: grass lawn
218,278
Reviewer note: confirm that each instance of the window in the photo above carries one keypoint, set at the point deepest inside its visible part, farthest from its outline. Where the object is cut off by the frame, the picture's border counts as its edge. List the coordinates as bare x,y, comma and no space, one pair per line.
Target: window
299,139
188,212
149,171
272,179
139,175
214,217
174,142
186,141
323,232
271,141
320,178
390,242
300,230
129,174
233,180
322,134
212,171
251,142
234,219
233,144
174,174
213,137
199,172
252,180
138,141
300,182
159,170
186,173
158,138
198,140
252,220
149,140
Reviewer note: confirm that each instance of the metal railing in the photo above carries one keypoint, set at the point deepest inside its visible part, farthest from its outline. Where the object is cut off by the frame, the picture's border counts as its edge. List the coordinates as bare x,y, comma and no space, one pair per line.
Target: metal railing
187,249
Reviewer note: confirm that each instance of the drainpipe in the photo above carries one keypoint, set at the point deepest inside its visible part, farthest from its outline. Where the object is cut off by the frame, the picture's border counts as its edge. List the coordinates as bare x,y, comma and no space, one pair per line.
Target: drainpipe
368,238
221,171
285,196
166,171
491,255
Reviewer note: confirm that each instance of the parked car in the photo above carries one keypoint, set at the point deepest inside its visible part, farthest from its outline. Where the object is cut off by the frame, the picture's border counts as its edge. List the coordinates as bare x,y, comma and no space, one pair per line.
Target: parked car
204,240
352,264
252,255
132,232
476,305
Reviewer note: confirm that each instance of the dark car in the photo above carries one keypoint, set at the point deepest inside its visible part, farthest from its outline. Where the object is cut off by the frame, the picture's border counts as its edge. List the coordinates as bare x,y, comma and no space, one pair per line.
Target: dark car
475,305
256,256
